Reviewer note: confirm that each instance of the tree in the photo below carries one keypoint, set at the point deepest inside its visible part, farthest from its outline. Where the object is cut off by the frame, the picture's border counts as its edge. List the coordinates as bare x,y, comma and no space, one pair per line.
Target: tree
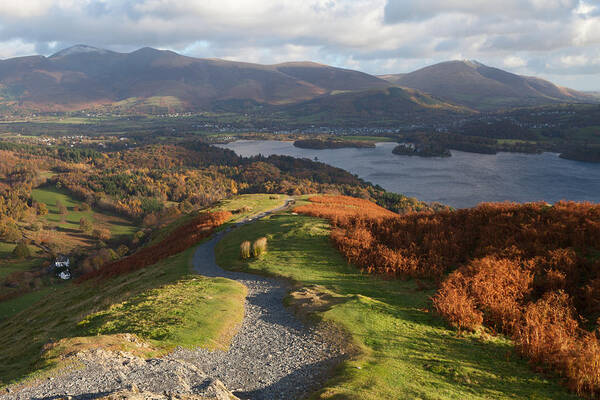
85,225
122,250
41,209
9,231
21,251
102,234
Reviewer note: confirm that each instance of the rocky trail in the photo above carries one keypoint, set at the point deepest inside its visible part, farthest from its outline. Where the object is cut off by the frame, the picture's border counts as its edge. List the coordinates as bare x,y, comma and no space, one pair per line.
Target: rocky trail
273,355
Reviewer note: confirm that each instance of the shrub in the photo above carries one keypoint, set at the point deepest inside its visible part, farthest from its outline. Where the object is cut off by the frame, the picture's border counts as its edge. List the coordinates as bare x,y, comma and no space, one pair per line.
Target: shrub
21,251
259,247
245,250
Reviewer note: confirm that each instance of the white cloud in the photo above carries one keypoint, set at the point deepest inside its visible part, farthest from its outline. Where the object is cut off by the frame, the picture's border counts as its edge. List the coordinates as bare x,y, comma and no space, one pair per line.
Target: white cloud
15,48
514,62
574,61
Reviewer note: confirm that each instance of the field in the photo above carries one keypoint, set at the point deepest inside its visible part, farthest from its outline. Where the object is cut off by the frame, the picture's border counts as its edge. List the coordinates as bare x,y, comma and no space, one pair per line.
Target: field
406,350
9,265
164,304
70,222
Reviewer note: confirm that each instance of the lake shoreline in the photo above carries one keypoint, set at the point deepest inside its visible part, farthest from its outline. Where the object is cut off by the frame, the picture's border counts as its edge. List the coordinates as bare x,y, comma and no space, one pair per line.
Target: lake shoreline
460,181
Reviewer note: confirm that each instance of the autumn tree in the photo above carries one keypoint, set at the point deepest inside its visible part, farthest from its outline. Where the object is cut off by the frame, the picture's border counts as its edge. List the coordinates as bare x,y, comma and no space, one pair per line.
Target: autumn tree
102,234
9,231
85,225
21,251
41,209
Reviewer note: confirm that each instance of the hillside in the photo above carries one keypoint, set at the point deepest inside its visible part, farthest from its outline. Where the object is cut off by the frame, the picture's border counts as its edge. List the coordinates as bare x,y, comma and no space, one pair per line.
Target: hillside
149,79
376,106
160,81
475,85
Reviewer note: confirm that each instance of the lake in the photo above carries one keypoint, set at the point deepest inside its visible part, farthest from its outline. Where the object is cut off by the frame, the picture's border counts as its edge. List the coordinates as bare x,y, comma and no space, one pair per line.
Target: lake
463,180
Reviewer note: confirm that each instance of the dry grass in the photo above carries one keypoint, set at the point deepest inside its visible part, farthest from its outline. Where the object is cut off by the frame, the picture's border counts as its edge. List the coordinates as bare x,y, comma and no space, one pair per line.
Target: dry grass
245,250
259,247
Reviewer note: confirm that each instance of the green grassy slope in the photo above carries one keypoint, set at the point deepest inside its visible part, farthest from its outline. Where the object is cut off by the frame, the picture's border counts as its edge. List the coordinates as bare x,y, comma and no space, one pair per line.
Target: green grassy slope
165,304
250,204
247,204
70,222
407,351
8,264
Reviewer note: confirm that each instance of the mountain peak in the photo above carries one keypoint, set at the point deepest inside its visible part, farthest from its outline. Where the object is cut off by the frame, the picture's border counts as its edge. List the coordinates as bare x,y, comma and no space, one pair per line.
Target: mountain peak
472,63
78,49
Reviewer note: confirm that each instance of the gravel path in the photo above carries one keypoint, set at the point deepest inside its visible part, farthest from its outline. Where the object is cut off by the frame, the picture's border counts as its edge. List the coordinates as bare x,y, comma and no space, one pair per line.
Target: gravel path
273,355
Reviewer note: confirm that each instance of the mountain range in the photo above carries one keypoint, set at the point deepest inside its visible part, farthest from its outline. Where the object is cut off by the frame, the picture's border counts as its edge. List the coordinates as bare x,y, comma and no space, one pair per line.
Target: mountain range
84,77
475,85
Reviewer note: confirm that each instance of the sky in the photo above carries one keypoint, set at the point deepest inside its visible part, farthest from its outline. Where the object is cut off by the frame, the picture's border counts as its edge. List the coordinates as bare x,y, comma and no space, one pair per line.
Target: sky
557,40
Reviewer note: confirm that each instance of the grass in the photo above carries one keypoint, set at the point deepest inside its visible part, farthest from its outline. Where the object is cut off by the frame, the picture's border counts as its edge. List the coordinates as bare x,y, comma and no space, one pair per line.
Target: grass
368,138
8,264
516,141
178,314
155,303
70,222
13,306
255,203
8,267
407,351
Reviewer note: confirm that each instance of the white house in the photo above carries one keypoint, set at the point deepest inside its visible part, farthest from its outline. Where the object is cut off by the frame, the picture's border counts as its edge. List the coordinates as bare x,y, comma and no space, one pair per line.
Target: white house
62,261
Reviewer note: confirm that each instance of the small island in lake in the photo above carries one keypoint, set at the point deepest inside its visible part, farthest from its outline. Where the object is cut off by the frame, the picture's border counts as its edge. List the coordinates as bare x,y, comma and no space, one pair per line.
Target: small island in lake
428,150
320,144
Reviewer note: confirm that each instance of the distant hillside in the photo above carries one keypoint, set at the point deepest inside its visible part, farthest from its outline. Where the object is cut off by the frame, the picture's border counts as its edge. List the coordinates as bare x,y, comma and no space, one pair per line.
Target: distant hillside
84,76
159,81
481,87
374,106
